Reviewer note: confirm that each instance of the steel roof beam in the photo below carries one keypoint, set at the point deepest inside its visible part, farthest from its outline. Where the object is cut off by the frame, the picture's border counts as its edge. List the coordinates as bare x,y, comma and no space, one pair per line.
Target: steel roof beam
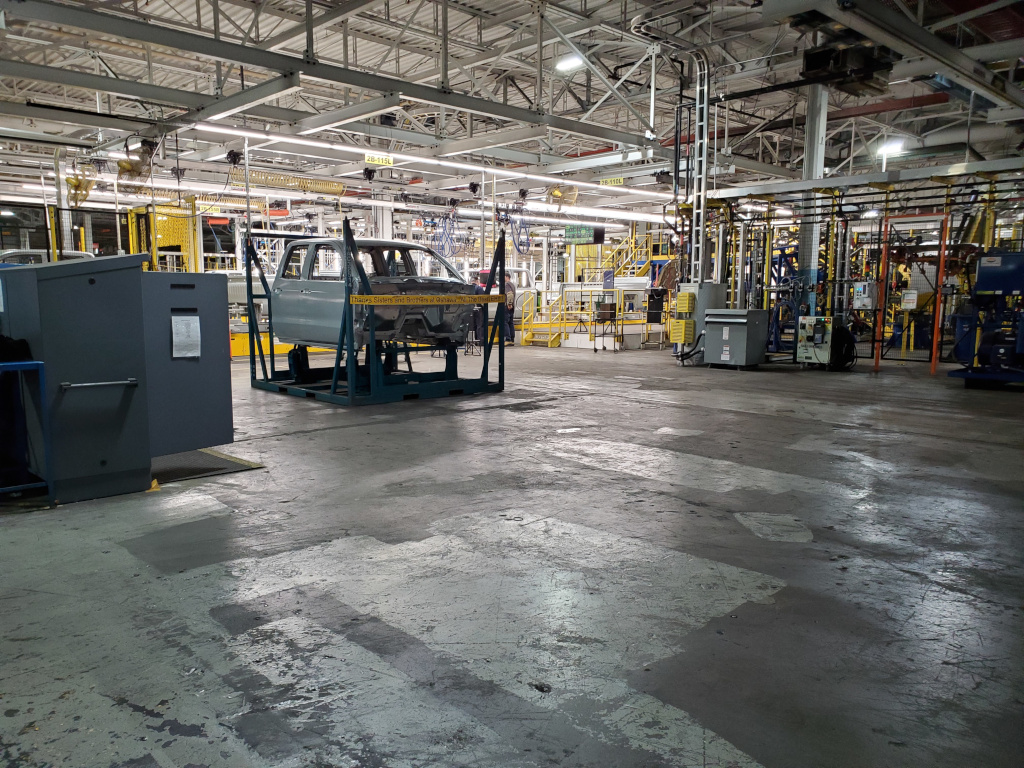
72,117
528,45
1005,115
349,114
109,24
239,101
340,13
975,13
131,89
596,70
15,134
1004,165
492,140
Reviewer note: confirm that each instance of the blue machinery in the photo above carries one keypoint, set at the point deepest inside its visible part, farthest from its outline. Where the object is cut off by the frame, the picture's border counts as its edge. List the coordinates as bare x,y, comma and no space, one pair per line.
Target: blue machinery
376,379
784,284
989,339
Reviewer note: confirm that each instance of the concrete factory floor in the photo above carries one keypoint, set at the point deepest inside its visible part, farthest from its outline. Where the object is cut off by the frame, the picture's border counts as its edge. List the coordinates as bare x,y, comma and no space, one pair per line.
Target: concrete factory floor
615,563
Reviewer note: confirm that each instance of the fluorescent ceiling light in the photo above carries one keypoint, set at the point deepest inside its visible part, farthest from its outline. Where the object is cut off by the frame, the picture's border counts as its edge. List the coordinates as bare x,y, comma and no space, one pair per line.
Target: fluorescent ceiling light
400,156
872,214
569,63
6,213
577,210
891,148
548,220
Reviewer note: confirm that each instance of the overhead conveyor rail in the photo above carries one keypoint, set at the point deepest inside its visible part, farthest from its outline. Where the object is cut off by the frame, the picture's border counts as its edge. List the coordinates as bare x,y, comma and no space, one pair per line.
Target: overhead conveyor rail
377,378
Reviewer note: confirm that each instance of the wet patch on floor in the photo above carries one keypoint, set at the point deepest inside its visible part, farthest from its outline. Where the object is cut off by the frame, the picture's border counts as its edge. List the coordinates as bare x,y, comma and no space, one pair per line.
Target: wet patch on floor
765,525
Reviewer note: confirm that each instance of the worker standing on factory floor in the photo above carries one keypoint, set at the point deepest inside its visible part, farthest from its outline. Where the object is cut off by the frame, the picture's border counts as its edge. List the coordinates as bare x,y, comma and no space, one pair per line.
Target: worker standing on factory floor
510,311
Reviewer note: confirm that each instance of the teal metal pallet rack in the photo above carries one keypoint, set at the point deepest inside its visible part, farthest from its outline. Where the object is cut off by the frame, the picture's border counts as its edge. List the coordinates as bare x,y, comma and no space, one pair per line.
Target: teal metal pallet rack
375,379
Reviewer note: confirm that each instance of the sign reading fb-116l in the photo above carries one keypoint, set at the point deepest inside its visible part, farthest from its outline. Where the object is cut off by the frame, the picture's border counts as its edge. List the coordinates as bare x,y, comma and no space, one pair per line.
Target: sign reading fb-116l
378,300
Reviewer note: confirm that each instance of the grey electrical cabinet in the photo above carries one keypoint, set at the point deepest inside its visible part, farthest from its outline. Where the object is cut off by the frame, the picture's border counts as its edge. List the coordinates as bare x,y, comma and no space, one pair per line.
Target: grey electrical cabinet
137,364
83,319
188,361
736,337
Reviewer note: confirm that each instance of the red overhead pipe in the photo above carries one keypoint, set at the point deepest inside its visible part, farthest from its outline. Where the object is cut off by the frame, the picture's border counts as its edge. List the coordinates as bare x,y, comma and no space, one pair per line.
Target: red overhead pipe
890,105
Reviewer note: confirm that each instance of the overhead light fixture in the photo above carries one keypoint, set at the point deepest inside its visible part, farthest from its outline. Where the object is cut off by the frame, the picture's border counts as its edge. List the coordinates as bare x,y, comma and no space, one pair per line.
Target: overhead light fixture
614,214
547,220
6,213
871,214
569,63
891,148
405,158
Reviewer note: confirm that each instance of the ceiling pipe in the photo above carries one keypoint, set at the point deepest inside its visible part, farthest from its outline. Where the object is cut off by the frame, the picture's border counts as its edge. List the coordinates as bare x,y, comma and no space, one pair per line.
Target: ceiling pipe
977,134
644,26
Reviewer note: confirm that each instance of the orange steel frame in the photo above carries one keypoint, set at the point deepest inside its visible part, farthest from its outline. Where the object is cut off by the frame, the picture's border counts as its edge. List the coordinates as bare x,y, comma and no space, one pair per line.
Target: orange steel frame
881,286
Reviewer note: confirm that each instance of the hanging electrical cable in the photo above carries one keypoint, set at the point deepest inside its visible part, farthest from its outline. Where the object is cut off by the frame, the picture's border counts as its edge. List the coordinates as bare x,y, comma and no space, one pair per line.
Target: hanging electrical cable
446,235
519,229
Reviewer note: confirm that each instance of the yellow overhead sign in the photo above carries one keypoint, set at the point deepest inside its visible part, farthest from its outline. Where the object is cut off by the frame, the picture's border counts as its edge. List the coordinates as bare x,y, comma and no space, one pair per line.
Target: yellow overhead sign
377,300
379,158
615,181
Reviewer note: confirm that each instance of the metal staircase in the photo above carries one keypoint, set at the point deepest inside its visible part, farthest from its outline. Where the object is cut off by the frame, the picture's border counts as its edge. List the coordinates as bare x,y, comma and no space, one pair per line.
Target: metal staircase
543,326
631,258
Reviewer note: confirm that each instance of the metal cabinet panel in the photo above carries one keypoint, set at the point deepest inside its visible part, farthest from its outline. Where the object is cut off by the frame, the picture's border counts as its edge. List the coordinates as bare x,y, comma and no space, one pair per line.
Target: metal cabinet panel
735,336
83,319
189,397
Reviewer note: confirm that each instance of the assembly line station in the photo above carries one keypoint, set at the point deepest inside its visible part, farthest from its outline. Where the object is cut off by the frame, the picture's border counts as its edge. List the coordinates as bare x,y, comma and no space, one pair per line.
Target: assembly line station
511,384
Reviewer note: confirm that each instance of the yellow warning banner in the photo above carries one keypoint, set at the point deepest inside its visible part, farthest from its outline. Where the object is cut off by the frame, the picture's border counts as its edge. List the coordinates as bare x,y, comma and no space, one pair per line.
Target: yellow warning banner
410,300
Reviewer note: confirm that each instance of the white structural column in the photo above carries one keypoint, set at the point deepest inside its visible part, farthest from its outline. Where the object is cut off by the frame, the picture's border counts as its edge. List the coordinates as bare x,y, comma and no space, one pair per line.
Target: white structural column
814,168
445,85
384,222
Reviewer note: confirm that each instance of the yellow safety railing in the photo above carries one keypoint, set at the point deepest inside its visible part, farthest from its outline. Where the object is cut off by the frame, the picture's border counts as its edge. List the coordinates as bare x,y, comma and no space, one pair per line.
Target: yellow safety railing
549,317
583,311
630,258
543,319
636,259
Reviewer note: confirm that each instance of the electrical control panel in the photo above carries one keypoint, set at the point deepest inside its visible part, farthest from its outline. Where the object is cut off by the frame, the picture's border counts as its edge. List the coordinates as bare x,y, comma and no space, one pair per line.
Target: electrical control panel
863,295
686,302
681,331
814,340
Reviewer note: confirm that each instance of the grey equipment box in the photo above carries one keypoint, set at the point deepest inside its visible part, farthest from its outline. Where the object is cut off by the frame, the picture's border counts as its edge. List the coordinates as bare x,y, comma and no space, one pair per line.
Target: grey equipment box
707,296
83,319
189,387
736,337
137,365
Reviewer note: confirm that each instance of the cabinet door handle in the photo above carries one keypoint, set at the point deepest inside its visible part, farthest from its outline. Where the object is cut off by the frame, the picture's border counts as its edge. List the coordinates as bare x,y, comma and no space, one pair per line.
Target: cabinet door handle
66,385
